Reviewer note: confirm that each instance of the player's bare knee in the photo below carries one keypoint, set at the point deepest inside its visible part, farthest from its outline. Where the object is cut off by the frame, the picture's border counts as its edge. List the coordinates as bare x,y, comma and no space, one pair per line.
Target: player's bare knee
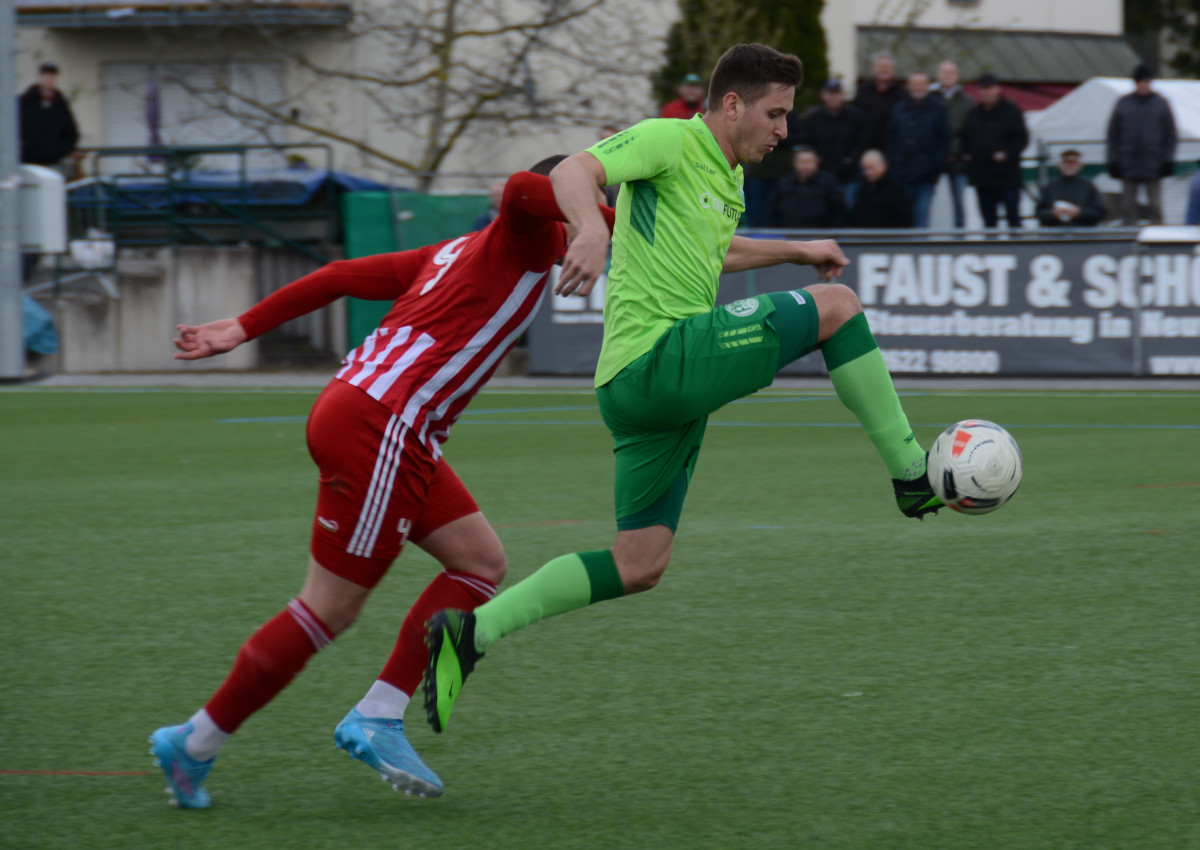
338,614
492,566
836,305
640,571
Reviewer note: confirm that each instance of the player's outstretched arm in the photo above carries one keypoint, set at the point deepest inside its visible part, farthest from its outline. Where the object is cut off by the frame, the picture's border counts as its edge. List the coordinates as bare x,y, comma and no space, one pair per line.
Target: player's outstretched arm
825,254
211,338
529,203
383,277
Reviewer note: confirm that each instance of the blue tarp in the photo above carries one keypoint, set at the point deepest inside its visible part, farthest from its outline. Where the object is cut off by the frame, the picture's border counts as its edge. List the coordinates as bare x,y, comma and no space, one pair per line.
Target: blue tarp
40,335
273,186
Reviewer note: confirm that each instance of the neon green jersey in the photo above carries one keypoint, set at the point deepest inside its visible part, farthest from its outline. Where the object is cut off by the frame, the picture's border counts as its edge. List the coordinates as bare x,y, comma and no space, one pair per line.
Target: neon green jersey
676,215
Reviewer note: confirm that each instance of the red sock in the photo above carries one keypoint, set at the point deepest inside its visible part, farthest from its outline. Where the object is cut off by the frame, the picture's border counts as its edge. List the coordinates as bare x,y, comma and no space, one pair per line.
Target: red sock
451,589
266,663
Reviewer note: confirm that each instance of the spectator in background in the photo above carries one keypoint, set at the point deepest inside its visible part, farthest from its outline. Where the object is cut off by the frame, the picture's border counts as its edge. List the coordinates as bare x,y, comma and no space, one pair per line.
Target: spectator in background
762,177
1141,146
881,201
877,97
1070,199
48,131
690,101
992,141
809,198
495,195
958,104
836,130
918,139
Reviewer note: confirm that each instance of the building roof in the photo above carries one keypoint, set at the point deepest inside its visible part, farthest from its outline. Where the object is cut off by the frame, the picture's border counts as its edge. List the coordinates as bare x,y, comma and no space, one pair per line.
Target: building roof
1015,56
80,14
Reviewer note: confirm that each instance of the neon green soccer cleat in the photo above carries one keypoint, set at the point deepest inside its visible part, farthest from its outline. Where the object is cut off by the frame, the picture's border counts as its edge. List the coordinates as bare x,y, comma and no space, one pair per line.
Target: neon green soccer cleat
452,657
916,498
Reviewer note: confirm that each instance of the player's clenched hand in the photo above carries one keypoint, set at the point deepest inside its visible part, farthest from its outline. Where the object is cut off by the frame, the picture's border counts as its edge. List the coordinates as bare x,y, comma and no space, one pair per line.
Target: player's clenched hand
584,262
826,255
196,341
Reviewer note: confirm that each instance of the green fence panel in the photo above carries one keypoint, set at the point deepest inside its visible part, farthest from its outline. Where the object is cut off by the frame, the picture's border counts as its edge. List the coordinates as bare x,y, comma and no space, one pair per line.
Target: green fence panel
379,222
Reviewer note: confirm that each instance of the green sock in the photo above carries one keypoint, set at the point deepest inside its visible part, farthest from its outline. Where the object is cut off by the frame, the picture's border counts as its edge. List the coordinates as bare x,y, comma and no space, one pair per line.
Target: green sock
863,385
564,584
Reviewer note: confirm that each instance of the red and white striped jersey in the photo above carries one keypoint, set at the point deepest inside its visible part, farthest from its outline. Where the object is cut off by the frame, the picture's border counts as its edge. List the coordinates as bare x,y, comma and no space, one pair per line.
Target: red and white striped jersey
471,300
459,306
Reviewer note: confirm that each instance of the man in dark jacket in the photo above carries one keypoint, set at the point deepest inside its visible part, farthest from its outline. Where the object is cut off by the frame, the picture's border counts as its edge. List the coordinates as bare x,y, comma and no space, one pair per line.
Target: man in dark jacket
761,178
918,139
837,131
877,97
881,200
48,132
993,138
809,198
958,106
1070,200
1141,146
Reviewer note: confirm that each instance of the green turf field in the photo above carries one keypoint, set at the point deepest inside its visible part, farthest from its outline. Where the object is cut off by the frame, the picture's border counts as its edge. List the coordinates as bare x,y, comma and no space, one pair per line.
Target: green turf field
814,671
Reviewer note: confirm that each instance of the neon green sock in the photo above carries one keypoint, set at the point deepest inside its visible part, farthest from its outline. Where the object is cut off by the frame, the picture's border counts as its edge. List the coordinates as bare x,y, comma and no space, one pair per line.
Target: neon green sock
863,385
564,584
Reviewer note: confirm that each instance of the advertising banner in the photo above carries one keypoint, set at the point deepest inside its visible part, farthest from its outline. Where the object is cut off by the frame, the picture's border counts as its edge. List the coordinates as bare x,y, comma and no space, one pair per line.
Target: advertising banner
971,307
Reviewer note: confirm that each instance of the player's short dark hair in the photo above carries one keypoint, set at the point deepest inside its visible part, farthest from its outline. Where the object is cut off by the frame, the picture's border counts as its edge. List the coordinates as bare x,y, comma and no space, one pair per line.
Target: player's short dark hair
545,166
749,70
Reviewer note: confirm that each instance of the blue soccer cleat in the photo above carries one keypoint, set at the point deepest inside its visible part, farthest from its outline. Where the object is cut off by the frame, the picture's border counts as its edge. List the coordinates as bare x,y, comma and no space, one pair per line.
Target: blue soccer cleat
379,742
185,775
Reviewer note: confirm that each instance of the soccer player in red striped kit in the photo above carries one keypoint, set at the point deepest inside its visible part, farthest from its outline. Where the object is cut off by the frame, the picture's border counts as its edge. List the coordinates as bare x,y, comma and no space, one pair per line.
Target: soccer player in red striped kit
376,433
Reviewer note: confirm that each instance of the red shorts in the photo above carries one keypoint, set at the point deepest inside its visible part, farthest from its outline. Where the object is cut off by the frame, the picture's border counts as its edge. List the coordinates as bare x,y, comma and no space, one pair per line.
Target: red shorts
380,487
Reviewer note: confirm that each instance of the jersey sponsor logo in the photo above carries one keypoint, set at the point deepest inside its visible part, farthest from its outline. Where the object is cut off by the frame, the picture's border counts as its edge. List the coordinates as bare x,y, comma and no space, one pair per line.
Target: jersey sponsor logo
743,308
615,142
708,169
795,293
330,524
720,207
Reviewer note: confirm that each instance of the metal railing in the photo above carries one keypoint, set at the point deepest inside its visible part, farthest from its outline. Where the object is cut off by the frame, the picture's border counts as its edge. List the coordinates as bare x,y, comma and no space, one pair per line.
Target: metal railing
171,201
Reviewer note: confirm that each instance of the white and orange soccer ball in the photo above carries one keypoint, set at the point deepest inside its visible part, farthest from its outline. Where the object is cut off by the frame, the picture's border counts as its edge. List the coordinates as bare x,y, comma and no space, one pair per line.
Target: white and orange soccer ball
975,466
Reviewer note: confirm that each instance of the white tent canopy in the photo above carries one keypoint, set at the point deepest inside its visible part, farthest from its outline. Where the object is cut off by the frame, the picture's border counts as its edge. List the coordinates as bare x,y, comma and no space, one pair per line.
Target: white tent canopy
1080,119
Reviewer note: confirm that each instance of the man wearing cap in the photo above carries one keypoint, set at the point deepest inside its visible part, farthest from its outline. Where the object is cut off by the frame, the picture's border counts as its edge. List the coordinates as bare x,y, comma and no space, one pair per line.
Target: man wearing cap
837,131
48,132
690,101
1070,200
1141,146
993,138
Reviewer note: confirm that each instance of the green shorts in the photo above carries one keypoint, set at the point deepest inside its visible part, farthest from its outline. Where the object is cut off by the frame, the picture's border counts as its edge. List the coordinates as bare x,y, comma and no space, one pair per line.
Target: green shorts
657,407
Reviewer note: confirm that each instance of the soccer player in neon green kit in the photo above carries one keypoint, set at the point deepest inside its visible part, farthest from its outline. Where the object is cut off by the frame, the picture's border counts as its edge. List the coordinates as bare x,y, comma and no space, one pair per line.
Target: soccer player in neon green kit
669,359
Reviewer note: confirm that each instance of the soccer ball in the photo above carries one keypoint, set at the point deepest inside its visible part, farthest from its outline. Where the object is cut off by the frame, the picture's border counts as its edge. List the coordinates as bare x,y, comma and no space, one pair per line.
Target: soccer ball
975,466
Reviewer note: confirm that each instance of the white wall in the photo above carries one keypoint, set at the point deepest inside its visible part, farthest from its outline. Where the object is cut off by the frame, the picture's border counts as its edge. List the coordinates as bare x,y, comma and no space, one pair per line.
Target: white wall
1094,16
841,17
82,55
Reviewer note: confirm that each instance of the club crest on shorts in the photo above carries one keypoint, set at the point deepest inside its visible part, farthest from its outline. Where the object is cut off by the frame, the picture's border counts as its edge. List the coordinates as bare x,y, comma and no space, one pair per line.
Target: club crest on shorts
743,308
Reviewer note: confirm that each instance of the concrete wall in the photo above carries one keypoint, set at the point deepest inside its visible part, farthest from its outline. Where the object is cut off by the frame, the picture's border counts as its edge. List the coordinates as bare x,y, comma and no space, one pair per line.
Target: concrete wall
158,290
